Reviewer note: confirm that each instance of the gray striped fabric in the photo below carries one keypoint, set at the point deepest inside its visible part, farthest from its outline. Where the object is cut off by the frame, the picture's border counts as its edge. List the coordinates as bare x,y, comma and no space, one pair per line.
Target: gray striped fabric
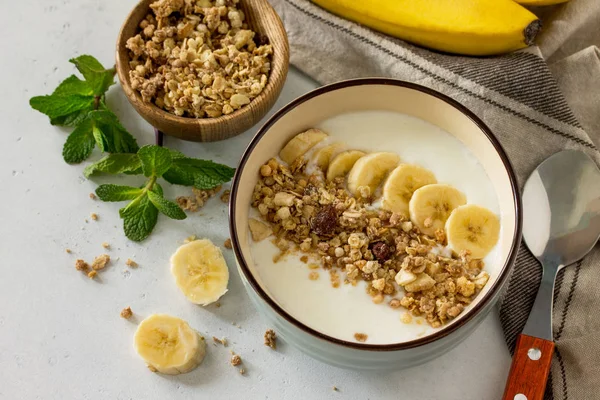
518,98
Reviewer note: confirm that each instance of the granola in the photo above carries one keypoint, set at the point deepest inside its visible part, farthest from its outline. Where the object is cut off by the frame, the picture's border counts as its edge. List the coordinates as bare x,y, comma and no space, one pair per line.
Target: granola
198,58
270,339
319,218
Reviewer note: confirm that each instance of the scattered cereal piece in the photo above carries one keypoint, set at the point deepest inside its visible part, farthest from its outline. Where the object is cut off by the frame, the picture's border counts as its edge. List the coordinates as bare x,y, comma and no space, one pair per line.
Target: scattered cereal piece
68,251
81,265
225,196
126,313
100,262
335,389
406,318
242,371
92,196
92,274
360,337
236,360
105,245
94,216
227,244
313,276
271,339
220,341
130,263
190,238
259,230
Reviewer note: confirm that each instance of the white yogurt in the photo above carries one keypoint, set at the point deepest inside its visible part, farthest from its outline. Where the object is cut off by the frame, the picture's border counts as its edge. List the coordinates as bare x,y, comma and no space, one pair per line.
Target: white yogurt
347,310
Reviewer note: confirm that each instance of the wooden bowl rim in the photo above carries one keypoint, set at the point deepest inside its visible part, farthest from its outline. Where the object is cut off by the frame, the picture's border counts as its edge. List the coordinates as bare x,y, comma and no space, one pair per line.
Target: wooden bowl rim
279,61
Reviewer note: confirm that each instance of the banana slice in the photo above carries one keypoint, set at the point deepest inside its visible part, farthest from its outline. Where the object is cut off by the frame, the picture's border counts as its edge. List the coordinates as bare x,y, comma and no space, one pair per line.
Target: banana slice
168,344
341,164
370,170
431,205
300,144
473,228
401,184
322,156
200,271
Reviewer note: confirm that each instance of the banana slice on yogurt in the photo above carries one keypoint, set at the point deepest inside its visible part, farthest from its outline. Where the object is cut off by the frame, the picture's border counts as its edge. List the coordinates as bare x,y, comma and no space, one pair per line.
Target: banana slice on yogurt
370,170
401,184
342,163
323,156
200,271
431,205
168,344
473,228
300,144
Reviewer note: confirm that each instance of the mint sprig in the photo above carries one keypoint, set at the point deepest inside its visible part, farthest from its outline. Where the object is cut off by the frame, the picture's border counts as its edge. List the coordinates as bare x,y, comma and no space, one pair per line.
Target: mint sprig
141,214
81,104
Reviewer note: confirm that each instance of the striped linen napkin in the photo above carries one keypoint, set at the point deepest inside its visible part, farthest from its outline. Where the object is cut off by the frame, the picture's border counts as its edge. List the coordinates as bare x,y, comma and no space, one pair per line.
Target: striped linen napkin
518,98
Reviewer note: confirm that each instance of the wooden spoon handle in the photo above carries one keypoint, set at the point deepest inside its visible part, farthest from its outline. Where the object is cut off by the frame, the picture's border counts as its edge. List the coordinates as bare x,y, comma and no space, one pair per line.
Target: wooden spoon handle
529,369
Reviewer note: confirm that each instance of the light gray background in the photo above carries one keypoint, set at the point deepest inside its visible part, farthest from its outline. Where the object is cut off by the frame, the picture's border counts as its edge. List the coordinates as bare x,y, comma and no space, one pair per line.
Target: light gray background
61,336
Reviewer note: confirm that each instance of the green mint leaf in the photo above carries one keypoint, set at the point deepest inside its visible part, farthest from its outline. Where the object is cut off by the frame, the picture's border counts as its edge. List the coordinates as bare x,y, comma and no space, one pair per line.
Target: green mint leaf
73,85
61,105
72,119
202,174
156,160
98,78
117,192
118,163
80,143
110,135
157,189
176,154
139,218
166,207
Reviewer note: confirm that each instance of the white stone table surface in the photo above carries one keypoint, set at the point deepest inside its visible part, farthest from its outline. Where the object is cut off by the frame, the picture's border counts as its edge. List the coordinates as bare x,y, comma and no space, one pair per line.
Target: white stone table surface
61,336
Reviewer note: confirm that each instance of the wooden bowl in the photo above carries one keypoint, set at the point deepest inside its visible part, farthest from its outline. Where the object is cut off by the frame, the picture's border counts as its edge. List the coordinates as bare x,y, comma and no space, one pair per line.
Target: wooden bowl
261,18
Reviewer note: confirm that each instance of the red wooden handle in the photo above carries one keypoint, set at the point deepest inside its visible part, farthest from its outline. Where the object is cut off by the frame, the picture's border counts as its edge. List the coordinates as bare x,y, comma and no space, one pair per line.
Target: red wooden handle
529,369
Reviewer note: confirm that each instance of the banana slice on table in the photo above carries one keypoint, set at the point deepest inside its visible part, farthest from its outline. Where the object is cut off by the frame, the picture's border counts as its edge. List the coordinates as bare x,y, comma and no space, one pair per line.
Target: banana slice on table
431,205
473,228
168,344
322,156
370,170
200,271
342,163
300,144
402,183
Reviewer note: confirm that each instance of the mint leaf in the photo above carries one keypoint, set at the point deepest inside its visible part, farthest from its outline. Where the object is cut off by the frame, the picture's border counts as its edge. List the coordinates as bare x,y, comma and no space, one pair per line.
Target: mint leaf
202,174
110,135
139,218
166,207
73,85
61,105
98,78
80,143
71,119
156,160
117,163
117,192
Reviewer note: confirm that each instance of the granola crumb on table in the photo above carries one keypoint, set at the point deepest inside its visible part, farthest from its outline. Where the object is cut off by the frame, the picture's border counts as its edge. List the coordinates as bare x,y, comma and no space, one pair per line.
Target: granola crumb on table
92,274
94,216
126,313
68,251
236,360
100,262
271,339
130,263
81,265
220,341
105,245
92,196
225,196
227,243
198,199
403,268
198,58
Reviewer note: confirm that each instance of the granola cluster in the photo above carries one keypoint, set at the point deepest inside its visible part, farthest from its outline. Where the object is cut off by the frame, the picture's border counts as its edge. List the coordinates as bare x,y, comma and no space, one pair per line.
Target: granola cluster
347,235
197,58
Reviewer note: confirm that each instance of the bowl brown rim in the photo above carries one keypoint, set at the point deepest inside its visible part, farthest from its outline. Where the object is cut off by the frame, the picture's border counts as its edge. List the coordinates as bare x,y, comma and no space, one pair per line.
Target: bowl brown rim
122,68
442,332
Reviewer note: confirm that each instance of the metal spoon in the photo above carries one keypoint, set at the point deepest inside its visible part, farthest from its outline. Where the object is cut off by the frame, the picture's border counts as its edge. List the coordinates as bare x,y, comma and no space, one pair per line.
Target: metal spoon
561,224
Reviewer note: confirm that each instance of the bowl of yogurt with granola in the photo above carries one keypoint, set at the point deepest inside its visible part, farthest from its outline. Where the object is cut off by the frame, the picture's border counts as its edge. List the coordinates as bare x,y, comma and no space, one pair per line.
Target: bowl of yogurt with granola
374,223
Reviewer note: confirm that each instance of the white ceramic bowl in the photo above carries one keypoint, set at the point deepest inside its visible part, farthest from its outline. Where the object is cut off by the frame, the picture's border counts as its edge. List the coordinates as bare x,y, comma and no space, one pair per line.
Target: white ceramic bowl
390,95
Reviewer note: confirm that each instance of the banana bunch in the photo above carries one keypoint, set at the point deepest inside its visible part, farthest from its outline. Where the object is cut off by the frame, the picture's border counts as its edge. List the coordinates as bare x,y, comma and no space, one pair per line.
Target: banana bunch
408,189
469,27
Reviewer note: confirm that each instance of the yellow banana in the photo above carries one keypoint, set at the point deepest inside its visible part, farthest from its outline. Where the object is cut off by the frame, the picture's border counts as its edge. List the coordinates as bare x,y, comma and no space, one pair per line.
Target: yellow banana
540,2
482,27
